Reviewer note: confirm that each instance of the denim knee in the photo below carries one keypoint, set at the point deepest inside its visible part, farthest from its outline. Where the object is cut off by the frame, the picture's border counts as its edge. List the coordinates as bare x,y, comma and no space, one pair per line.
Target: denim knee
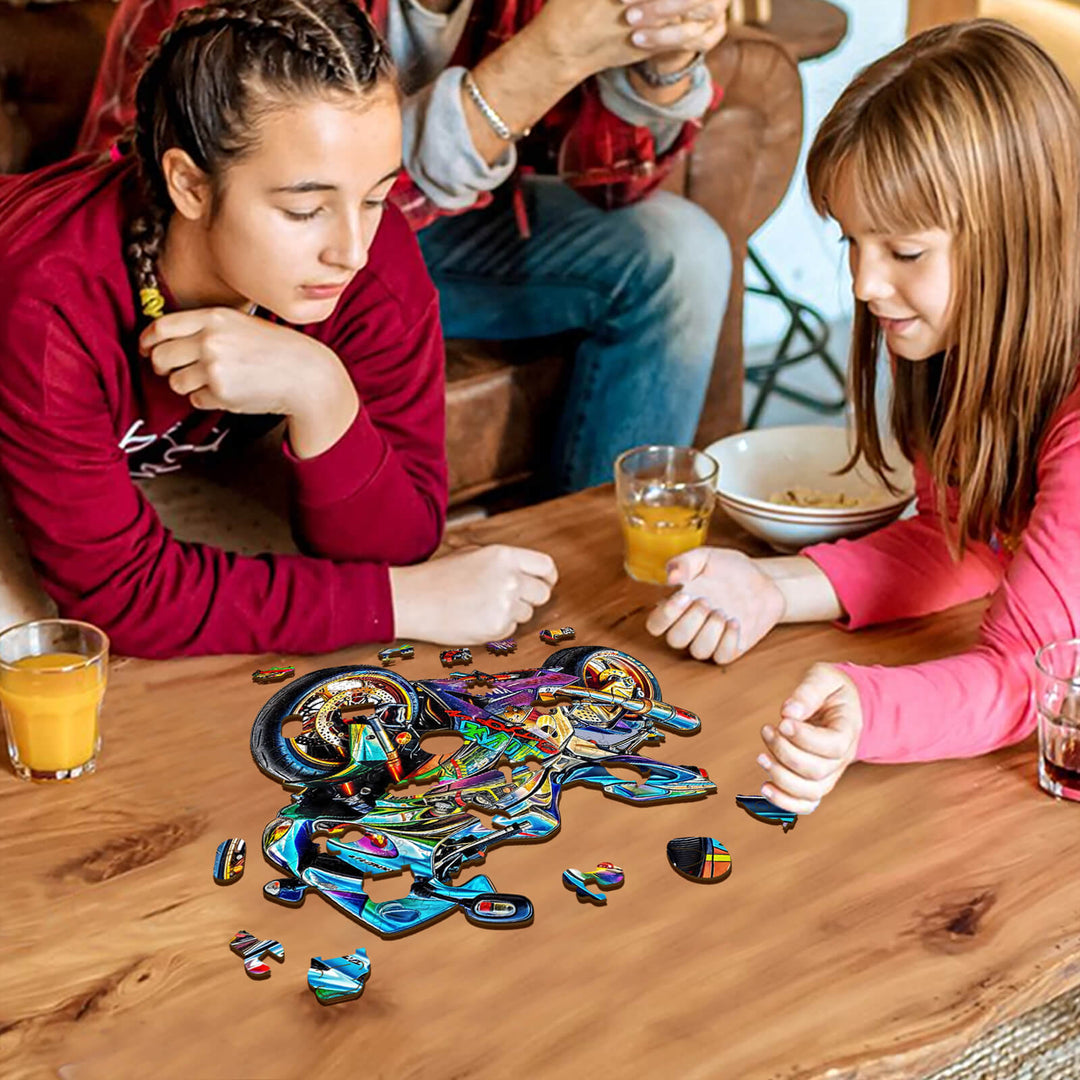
684,264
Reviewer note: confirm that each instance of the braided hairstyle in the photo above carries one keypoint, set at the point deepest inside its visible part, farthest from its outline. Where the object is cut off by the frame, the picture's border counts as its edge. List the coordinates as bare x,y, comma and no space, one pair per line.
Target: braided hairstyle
203,87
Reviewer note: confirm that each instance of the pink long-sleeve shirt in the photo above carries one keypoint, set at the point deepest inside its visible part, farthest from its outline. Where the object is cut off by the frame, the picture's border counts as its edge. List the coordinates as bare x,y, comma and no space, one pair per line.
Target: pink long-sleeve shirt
980,700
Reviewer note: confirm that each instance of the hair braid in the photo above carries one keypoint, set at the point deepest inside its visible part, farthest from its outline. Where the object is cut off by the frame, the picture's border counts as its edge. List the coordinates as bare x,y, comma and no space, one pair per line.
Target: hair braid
199,87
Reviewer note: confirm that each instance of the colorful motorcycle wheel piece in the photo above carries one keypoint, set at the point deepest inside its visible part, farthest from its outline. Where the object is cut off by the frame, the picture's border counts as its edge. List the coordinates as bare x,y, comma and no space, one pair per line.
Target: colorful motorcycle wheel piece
503,647
341,978
397,652
229,860
553,637
699,857
252,950
450,657
764,810
273,674
606,875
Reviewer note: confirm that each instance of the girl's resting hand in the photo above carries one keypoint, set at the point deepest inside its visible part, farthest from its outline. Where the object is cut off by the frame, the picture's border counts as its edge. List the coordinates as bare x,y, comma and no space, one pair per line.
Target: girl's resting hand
724,607
820,725
471,596
219,358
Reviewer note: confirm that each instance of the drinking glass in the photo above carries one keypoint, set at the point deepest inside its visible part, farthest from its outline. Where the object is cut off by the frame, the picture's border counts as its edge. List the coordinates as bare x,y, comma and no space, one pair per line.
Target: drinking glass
1057,701
666,496
52,681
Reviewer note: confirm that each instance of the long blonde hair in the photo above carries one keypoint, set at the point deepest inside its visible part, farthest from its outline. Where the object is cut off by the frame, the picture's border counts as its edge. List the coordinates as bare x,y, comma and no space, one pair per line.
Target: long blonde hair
973,129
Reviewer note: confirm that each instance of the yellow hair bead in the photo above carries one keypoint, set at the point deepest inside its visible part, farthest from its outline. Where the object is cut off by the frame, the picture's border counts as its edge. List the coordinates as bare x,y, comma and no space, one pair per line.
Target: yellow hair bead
153,303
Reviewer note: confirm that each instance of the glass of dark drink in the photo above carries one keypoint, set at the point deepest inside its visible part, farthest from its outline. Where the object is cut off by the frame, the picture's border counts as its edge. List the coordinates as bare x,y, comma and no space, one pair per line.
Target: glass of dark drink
1057,699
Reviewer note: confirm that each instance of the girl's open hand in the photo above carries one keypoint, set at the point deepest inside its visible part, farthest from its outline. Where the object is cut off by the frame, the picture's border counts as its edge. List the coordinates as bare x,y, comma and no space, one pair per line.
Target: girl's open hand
725,604
820,725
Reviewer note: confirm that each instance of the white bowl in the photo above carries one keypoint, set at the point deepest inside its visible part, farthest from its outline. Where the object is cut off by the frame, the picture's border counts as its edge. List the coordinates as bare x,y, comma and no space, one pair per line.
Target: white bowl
756,464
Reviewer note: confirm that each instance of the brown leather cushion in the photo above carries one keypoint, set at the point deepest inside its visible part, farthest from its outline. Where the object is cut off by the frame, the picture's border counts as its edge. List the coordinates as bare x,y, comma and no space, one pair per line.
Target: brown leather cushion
502,404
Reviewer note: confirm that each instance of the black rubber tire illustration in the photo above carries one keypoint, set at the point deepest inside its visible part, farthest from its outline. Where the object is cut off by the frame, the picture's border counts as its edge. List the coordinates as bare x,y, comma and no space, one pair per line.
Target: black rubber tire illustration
278,756
579,660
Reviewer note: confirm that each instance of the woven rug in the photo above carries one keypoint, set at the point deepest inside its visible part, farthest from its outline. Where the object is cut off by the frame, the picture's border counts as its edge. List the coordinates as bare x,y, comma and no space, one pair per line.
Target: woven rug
1043,1044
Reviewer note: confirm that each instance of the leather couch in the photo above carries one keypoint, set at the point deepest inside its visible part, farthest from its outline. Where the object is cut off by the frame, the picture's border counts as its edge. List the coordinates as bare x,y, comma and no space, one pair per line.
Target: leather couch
501,398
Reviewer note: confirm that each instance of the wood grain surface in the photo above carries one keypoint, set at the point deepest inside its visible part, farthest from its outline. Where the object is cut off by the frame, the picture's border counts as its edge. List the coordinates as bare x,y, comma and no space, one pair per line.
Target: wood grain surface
918,906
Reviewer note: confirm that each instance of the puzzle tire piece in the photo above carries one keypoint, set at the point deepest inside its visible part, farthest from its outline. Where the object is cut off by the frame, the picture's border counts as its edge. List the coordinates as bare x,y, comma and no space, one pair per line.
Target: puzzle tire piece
764,810
252,950
700,858
229,860
341,978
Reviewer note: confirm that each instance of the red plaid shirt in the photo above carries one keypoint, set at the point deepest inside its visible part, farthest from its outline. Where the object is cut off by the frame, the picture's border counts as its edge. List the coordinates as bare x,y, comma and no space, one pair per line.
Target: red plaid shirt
606,159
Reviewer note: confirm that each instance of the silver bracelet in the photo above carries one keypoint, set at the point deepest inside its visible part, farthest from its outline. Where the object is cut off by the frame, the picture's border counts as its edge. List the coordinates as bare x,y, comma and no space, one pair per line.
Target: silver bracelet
495,121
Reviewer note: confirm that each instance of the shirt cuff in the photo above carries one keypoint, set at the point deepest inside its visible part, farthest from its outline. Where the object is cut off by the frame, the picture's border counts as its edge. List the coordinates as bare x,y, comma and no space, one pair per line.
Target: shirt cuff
665,122
341,470
439,152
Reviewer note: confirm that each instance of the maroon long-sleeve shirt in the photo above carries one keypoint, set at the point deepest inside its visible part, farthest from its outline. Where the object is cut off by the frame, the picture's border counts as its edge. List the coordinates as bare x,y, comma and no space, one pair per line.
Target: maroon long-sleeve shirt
81,412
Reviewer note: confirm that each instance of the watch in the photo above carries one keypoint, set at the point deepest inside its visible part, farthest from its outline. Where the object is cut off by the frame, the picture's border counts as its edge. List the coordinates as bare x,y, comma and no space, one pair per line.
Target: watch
669,78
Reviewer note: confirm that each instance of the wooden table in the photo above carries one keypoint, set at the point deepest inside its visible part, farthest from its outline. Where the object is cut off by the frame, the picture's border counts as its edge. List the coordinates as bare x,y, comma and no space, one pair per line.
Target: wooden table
917,907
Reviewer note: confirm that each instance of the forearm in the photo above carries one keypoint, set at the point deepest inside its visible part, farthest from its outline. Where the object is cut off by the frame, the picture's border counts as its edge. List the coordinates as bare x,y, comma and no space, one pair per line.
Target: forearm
324,410
808,594
521,81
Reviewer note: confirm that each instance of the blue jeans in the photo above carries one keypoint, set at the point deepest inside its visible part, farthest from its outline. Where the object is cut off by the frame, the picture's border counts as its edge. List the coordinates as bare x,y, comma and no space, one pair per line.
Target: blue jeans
647,285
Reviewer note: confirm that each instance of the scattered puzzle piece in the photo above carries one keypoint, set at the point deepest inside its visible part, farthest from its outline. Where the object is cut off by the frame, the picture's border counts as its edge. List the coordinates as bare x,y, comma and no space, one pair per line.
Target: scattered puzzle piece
605,876
449,657
272,674
553,637
764,810
252,950
699,857
286,890
229,861
341,978
503,647
397,652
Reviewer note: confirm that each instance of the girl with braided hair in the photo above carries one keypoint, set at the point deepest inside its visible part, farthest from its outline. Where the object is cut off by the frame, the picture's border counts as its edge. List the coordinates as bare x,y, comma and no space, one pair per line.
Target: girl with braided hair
239,267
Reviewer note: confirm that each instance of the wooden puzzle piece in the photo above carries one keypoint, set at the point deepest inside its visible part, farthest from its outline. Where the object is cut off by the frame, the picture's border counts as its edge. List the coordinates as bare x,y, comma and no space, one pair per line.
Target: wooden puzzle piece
273,674
397,652
229,860
553,637
699,857
449,657
341,978
252,950
764,810
503,647
605,875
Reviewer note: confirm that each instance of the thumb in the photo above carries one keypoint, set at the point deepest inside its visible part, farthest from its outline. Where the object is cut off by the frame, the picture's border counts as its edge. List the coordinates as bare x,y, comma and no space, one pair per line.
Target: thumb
810,696
687,566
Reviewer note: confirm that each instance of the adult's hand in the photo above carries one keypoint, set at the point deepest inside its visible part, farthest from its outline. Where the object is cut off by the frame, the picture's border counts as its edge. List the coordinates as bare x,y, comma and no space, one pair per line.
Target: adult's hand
674,31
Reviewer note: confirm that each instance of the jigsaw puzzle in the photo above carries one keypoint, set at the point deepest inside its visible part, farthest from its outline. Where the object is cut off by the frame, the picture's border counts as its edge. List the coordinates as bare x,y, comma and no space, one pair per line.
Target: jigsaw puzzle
764,810
340,978
699,857
606,876
229,860
252,950
360,742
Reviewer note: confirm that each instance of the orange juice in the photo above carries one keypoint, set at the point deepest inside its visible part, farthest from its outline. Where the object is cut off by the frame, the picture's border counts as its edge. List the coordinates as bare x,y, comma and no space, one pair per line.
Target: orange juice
52,715
654,534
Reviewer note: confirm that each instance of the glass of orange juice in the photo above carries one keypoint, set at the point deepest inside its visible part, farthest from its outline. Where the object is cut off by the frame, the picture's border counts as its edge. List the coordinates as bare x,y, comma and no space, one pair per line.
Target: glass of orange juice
52,680
666,496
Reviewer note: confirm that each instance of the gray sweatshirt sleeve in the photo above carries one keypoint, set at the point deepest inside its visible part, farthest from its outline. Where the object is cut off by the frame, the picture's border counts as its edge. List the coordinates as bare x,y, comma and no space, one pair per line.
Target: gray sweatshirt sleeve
438,148
665,122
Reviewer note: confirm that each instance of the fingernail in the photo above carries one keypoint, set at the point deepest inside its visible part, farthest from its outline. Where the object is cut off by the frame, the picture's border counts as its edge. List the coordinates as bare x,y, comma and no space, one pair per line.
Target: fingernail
763,761
638,39
766,791
681,599
767,731
634,16
787,727
793,709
